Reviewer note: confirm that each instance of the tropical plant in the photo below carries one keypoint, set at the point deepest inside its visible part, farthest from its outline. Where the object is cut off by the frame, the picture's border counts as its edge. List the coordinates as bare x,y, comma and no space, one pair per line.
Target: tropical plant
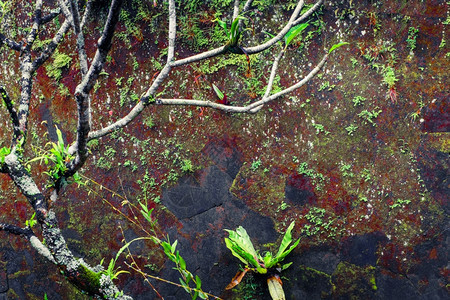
234,33
242,247
59,155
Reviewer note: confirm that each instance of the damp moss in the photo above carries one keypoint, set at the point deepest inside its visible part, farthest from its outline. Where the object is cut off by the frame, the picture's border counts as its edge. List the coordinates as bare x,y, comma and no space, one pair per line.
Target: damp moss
354,282
87,279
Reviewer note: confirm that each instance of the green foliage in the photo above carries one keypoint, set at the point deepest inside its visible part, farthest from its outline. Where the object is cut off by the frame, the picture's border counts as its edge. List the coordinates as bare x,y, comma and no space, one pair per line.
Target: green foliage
234,33
399,203
351,129
186,276
60,61
318,223
255,165
389,76
218,92
305,170
3,9
187,166
174,255
32,221
369,116
4,151
412,37
59,156
335,46
293,32
358,100
241,247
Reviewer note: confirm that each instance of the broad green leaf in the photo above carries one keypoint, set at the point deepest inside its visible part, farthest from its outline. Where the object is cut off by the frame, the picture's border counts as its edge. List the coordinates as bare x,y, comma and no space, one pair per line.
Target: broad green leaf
174,246
182,263
335,46
238,252
280,258
198,282
282,252
234,31
218,92
275,288
285,266
60,138
223,25
287,239
267,258
293,32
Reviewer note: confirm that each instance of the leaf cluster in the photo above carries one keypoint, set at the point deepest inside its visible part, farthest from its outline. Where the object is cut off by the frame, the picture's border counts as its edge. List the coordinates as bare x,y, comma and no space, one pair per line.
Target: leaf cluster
59,156
234,33
242,247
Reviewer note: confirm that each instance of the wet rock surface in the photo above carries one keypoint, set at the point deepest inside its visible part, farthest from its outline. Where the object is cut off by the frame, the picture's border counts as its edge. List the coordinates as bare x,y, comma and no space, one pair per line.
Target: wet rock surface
379,184
201,239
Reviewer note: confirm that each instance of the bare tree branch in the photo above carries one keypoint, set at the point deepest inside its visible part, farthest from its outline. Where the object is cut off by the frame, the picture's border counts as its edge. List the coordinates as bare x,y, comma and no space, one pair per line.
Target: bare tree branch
271,79
247,6
29,235
308,13
13,229
87,11
12,112
86,85
248,108
148,95
235,9
53,14
10,43
280,35
147,98
80,37
51,47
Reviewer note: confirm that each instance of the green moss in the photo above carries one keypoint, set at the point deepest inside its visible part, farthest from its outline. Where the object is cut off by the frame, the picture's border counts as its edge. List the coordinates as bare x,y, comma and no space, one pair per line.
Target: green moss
354,282
87,280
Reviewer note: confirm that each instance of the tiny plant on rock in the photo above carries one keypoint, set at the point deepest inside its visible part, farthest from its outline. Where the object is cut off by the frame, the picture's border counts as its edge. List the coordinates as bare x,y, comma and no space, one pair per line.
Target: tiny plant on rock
242,247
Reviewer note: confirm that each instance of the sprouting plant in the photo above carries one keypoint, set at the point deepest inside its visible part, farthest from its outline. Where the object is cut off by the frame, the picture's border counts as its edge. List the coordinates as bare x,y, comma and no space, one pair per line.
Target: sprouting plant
412,37
186,276
389,76
234,33
358,100
186,166
223,99
369,116
32,221
174,255
242,247
335,46
351,129
59,155
255,165
111,271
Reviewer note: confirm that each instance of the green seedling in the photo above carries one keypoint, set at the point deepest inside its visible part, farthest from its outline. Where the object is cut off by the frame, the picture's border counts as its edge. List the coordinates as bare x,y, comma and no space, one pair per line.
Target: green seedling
234,33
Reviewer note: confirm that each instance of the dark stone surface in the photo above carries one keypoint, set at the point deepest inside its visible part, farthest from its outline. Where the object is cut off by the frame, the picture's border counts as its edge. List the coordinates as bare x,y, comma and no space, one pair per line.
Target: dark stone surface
361,250
201,240
189,198
299,190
